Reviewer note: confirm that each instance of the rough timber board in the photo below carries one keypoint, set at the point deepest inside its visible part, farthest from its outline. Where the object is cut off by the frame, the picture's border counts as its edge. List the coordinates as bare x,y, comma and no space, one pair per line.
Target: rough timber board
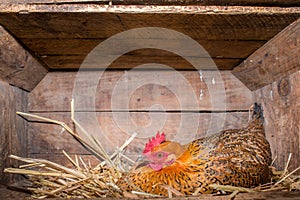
86,22
216,48
126,61
54,92
226,54
51,139
168,2
240,25
13,136
275,60
281,103
17,66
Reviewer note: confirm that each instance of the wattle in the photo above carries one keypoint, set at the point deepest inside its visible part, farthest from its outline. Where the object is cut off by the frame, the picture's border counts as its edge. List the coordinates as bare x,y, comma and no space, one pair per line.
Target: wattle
156,166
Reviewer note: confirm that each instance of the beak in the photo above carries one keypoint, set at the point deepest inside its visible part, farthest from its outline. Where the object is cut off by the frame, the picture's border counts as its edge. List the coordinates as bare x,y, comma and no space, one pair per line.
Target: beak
141,162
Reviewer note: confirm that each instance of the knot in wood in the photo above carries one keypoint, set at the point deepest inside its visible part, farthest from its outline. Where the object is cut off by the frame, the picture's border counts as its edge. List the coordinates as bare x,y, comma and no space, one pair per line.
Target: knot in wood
284,87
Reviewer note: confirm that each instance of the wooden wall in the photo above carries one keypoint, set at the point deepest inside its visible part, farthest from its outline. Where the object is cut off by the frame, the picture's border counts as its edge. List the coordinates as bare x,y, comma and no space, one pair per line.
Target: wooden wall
52,96
281,102
13,129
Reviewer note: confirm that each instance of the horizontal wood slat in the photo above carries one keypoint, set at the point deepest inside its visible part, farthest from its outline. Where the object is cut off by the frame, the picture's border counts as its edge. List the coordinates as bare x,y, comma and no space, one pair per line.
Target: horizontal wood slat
166,2
74,62
203,26
216,48
182,127
218,25
175,91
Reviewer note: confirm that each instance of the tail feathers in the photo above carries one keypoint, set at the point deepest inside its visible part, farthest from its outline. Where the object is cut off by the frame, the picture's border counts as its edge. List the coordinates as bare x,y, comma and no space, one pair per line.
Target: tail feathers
258,113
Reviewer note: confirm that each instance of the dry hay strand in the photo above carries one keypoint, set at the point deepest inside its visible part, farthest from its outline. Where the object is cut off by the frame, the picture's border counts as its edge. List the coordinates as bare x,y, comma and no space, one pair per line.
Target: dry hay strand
50,179
53,180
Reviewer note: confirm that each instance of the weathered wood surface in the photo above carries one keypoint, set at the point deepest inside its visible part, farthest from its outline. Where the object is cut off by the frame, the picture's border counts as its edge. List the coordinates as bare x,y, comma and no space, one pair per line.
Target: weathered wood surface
281,102
247,28
54,92
17,65
275,60
74,62
224,53
216,48
113,131
13,135
168,2
96,22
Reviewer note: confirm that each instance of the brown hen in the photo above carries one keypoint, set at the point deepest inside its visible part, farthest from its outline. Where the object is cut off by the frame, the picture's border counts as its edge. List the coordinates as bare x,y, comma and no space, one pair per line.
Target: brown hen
237,157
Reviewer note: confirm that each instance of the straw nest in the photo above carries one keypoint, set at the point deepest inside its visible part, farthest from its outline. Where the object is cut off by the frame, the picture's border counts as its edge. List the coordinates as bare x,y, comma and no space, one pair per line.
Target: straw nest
49,179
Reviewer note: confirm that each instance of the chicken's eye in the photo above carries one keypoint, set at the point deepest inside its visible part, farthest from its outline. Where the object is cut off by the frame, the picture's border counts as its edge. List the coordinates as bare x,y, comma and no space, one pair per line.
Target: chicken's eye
160,154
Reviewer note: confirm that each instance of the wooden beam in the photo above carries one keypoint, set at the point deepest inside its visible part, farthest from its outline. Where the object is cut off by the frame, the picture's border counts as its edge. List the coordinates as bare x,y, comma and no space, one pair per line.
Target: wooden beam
70,53
13,129
54,92
215,48
71,28
17,66
167,2
74,62
275,60
92,22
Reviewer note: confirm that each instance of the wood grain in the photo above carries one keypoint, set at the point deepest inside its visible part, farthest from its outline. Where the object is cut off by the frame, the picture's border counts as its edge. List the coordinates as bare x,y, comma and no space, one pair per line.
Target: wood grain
219,25
225,54
141,90
55,22
168,2
216,48
13,137
281,107
74,62
275,60
5,127
112,129
17,65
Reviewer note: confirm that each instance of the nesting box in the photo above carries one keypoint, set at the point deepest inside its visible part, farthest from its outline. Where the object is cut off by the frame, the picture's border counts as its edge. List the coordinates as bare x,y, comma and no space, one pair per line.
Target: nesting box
186,68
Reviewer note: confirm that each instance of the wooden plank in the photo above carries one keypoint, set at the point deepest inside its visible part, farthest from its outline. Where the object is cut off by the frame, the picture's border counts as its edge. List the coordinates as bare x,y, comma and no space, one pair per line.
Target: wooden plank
13,137
215,48
281,107
62,62
226,54
166,2
6,100
17,65
18,139
115,129
94,21
275,60
54,92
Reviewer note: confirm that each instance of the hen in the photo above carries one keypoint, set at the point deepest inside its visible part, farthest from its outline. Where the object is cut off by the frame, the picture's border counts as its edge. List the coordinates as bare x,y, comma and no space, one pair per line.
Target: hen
237,157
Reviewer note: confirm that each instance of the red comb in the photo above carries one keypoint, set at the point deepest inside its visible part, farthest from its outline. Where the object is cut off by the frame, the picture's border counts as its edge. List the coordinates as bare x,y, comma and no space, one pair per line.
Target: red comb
154,142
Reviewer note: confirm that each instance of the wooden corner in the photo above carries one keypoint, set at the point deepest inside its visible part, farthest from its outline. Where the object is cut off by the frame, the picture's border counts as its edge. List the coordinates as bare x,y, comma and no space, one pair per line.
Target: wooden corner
18,67
276,59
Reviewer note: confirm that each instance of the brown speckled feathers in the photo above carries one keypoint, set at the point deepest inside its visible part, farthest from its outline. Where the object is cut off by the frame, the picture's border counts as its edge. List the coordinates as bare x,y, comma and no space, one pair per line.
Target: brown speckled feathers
238,157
